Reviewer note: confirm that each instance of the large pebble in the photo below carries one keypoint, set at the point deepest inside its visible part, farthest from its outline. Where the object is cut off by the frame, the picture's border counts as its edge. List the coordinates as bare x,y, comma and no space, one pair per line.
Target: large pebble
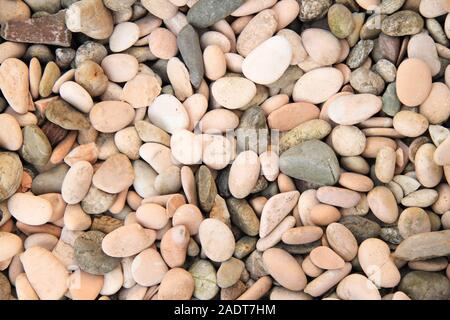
216,239
225,92
322,46
402,23
111,116
12,171
47,275
177,284
128,240
284,269
62,114
342,241
148,268
30,209
383,204
244,173
436,107
77,182
422,285
205,13
353,109
297,162
205,279
421,46
357,287
14,84
328,79
120,67
424,246
267,62
168,113
36,148
114,175
413,82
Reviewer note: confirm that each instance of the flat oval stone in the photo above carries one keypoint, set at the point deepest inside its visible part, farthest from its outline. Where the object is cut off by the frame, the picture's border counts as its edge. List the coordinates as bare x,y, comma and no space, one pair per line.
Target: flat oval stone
114,175
14,84
436,107
423,285
189,46
413,82
205,280
216,239
402,23
148,268
76,95
312,161
328,79
284,269
365,80
233,92
168,113
342,241
410,124
12,171
111,116
353,109
62,114
325,258
46,274
77,182
97,201
357,287
36,148
11,244
30,209
291,115
206,188
10,133
322,46
177,284
120,67
383,204
127,240
340,20
244,174
267,62
90,256
124,35
422,46
243,216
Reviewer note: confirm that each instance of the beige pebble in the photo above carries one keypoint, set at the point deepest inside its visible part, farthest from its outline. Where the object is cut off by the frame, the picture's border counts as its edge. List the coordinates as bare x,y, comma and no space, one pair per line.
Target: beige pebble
174,244
10,49
302,235
156,155
195,106
357,287
374,258
114,175
66,76
218,151
233,92
30,209
77,182
306,202
348,140
112,281
385,164
274,102
168,113
342,241
218,121
75,219
269,165
325,258
216,239
374,144
35,70
428,173
11,244
84,286
120,67
339,197
188,215
324,214
148,268
410,124
322,46
412,221
441,155
141,91
76,95
413,82
299,53
186,147
124,35
111,116
291,115
233,62
215,38
11,137
436,107
127,240
24,289
284,269
152,216
48,285
276,234
163,43
383,204
14,84
177,284
328,79
421,198
275,210
268,61
244,173
355,181
353,109
215,63
179,78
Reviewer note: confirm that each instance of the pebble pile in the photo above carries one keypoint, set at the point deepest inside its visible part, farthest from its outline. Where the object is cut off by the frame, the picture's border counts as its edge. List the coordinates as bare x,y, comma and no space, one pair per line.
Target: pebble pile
224,149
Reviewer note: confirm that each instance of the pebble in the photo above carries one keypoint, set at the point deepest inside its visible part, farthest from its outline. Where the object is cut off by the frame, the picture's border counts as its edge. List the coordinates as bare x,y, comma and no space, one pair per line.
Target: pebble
177,284
213,232
308,130
91,77
111,116
340,20
225,89
424,246
229,272
62,114
148,268
428,173
275,210
120,67
413,93
325,258
36,262
244,174
48,181
189,46
206,188
436,107
97,201
362,228
291,115
365,80
168,113
5,287
422,285
359,53
174,244
268,61
204,14
243,216
89,255
295,163
353,109
413,221
357,287
127,240
114,175
77,181
329,79
205,280
20,205
14,84
402,23
284,269
420,198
